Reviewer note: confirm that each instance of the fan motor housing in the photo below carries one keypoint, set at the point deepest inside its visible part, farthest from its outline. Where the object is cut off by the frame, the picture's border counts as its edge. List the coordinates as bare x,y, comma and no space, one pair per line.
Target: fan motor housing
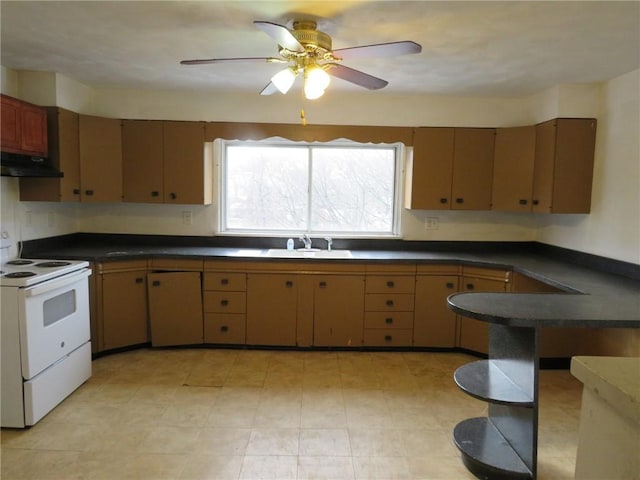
306,33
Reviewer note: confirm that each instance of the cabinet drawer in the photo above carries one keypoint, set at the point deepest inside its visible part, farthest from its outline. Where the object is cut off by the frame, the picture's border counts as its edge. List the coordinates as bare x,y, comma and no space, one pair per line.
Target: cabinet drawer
388,337
390,284
224,328
225,302
388,320
380,302
228,282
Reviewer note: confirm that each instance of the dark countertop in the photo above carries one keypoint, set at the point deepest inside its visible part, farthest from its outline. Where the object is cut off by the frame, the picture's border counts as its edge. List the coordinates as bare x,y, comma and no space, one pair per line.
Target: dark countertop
594,298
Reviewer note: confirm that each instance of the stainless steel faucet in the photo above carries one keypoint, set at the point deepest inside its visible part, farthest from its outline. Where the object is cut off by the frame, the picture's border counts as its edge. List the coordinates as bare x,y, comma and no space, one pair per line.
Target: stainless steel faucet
306,240
329,242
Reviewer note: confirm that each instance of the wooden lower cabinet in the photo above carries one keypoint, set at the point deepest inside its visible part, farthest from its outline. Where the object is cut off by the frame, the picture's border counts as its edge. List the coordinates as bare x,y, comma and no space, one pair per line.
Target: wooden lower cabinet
474,334
120,305
338,312
225,306
175,308
434,324
272,308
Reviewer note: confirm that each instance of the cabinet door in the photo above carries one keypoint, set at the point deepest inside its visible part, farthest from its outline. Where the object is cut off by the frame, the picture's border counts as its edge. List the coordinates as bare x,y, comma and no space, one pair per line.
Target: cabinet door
338,319
434,324
187,170
124,309
11,131
175,308
64,154
563,172
142,161
513,169
429,178
34,130
472,168
271,309
100,159
474,334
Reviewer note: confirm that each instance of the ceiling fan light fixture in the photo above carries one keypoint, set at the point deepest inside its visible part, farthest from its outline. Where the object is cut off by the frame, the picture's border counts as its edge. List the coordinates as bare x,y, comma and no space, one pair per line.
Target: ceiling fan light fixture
284,79
316,80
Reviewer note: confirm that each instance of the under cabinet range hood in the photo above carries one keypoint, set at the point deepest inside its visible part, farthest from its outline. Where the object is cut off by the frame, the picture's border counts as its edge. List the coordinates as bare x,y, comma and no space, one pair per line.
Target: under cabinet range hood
16,165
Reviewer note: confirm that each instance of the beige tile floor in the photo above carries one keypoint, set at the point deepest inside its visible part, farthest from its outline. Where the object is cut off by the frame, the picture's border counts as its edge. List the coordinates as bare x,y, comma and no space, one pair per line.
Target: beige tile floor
240,414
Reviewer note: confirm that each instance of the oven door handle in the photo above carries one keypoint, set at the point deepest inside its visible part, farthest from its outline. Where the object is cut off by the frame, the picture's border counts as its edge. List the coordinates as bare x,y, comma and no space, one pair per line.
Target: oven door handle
59,282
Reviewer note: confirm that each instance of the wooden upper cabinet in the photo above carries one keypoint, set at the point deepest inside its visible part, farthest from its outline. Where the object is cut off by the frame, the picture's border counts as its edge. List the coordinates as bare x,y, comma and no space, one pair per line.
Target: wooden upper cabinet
513,169
24,127
472,168
64,154
100,159
563,172
142,161
429,178
187,164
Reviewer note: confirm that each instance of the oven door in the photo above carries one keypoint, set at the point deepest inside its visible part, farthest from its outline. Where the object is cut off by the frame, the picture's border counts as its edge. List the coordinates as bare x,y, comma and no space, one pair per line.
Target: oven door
54,320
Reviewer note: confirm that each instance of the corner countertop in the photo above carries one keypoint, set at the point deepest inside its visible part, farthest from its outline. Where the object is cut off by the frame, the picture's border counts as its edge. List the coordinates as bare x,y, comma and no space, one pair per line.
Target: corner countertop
593,298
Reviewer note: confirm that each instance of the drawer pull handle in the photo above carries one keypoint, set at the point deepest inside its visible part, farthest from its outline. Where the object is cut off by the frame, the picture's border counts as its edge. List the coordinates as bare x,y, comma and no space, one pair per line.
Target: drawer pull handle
76,191
390,284
443,200
459,200
389,303
288,284
224,281
470,286
388,338
156,283
88,192
155,193
224,303
523,201
536,202
139,280
224,328
388,320
322,284
449,285
173,196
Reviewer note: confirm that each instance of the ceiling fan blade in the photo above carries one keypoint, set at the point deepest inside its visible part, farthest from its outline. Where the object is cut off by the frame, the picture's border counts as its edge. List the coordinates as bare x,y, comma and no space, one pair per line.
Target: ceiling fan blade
270,89
378,50
280,34
240,59
356,76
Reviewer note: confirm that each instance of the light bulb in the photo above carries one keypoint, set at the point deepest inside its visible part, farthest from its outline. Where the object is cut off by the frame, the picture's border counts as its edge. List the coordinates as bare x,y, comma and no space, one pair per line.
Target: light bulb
315,82
283,80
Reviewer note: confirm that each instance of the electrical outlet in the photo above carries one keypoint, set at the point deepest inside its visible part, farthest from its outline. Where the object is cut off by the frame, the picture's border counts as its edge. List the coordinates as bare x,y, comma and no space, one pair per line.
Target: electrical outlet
186,218
431,223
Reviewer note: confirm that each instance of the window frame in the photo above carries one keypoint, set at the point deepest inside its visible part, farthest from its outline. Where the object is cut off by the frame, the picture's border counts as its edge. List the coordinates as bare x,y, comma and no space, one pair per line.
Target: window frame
399,165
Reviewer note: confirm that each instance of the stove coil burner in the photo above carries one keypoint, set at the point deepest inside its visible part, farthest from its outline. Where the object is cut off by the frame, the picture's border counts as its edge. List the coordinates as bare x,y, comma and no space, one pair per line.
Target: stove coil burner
52,264
19,262
20,274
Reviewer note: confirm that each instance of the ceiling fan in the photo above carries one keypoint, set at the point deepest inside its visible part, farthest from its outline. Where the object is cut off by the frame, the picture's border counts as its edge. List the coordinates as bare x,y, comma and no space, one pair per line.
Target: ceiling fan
307,51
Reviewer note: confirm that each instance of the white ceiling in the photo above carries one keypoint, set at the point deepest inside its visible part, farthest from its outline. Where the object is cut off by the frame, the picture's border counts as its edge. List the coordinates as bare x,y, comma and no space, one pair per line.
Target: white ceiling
468,48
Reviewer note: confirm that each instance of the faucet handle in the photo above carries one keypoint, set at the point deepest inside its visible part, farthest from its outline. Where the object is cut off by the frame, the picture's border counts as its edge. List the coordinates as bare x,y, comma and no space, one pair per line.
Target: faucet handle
329,242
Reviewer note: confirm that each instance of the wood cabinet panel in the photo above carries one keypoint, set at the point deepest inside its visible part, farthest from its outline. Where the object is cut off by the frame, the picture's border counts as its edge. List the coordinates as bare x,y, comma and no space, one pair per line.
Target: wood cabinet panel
563,172
225,302
64,154
396,337
34,130
225,281
175,308
390,284
395,302
11,131
513,169
434,325
24,127
224,328
338,310
388,320
100,145
472,168
142,161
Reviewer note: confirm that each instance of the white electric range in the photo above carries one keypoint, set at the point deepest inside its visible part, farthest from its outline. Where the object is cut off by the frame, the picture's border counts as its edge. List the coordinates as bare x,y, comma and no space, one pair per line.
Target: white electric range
46,348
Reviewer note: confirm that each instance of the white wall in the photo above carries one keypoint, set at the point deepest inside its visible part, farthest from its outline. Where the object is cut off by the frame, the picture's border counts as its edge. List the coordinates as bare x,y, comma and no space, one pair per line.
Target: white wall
607,231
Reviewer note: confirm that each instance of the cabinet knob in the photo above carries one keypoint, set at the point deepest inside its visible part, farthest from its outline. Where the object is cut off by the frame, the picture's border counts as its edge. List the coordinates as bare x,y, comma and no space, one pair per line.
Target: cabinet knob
535,202
449,284
76,191
224,281
388,338
224,303
390,284
523,201
139,280
459,200
173,196
288,284
155,283
444,200
470,286
155,193
388,320
224,328
88,192
389,303
322,284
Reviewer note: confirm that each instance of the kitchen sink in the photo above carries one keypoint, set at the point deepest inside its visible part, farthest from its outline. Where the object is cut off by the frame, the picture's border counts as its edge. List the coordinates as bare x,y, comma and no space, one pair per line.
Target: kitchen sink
308,253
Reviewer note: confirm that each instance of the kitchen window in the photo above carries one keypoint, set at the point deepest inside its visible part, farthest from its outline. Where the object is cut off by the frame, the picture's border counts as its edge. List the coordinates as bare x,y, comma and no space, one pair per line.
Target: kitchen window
337,188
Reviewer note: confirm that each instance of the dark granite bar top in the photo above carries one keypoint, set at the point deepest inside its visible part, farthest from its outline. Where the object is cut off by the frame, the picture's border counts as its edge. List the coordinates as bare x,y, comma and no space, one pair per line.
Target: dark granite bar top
595,296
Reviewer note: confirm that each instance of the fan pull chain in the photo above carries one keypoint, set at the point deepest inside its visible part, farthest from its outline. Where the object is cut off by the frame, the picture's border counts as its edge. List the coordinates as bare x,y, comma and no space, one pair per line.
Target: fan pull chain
303,119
